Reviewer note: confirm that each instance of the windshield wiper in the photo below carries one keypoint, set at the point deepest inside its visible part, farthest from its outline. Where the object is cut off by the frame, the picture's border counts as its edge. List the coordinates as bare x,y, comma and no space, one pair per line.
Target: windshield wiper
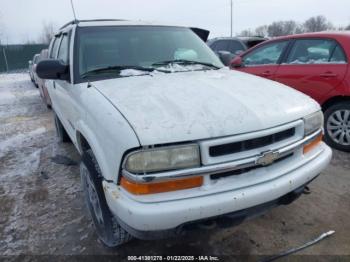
116,68
184,62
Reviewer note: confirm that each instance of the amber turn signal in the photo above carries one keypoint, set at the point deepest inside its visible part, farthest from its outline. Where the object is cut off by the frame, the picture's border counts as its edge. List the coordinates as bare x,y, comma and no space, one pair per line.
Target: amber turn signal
160,187
313,144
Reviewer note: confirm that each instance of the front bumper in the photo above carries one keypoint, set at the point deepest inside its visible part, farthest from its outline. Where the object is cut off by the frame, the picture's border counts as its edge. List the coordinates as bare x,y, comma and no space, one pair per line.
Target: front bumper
137,216
224,221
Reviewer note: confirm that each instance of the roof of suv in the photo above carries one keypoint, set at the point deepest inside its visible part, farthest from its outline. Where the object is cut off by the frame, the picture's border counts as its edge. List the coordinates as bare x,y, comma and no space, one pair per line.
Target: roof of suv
202,33
109,22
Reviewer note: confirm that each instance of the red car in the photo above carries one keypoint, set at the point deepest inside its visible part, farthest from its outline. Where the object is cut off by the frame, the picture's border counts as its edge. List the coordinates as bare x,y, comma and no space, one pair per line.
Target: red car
316,64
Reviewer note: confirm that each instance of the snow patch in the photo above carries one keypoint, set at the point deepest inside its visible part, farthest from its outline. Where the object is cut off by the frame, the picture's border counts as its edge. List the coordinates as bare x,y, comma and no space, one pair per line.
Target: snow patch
174,67
18,140
6,97
132,72
31,163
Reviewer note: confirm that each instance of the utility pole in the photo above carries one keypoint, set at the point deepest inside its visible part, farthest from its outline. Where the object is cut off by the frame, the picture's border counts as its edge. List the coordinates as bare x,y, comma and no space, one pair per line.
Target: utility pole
231,18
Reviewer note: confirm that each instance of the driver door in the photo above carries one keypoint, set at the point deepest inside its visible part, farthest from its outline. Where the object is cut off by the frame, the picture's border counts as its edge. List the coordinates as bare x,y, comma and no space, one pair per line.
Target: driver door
264,60
64,104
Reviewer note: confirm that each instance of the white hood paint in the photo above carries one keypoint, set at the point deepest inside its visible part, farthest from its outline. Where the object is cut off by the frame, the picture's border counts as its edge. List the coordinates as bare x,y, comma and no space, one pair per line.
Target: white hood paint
178,107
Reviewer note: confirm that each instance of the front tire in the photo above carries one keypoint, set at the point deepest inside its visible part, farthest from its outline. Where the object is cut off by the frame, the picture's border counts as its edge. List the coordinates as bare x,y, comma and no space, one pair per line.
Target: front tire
107,227
337,126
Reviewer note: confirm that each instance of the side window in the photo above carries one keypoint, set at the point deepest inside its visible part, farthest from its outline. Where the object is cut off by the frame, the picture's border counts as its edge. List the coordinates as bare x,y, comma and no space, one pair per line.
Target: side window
221,45
268,54
63,52
338,56
235,46
311,51
54,48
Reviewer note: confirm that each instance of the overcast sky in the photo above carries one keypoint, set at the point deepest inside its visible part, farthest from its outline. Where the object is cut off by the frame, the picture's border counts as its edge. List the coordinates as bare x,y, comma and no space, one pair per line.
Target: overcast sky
21,20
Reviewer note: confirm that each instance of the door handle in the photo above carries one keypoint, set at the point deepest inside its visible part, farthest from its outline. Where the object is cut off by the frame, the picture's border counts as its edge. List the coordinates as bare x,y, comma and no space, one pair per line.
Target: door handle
266,73
328,74
54,85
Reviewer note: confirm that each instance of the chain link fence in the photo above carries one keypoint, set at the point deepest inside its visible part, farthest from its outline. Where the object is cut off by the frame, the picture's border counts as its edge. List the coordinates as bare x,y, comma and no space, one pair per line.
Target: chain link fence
16,57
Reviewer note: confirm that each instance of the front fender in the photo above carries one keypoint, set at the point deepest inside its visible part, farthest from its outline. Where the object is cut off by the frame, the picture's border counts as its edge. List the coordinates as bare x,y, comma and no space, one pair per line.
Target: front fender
107,132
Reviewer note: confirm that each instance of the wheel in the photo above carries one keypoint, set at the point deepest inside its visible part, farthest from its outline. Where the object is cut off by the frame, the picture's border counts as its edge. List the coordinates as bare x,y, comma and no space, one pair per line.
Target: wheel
107,227
337,126
48,105
61,132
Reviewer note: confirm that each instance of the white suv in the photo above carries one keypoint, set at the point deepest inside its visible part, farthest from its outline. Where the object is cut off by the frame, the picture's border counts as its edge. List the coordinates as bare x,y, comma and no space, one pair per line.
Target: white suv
169,137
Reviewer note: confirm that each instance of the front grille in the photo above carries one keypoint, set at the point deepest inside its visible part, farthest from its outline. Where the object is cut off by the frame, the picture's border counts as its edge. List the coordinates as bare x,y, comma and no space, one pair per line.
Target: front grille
237,147
245,170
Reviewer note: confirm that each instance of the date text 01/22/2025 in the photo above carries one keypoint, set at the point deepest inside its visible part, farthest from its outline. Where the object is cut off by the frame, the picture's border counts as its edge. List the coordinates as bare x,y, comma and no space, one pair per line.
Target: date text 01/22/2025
173,258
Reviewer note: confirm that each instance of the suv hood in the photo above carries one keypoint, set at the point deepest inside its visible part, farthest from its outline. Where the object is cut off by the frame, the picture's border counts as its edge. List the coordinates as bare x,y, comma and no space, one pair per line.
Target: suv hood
187,106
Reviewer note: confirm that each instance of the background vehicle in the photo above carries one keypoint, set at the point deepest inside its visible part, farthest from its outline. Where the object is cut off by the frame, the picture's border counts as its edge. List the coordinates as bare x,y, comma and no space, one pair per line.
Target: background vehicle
44,54
315,64
170,137
251,41
234,45
31,67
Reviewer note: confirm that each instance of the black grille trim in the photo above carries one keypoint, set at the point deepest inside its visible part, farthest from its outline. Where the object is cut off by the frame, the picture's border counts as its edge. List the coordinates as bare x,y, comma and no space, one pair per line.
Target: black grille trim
237,147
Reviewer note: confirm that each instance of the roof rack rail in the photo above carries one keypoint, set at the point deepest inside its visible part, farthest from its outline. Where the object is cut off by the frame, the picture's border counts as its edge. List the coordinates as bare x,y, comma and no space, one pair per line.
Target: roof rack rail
89,20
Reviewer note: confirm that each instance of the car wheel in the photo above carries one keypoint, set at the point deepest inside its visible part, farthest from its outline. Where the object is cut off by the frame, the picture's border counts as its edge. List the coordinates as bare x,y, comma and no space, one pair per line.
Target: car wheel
107,227
337,126
61,132
46,102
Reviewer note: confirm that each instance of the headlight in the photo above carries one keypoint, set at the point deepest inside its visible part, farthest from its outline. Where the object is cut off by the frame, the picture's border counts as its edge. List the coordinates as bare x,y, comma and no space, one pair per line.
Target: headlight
313,122
163,159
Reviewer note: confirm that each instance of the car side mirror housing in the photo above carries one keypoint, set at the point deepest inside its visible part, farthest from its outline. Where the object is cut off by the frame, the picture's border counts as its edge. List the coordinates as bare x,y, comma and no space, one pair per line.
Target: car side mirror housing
225,57
53,69
237,62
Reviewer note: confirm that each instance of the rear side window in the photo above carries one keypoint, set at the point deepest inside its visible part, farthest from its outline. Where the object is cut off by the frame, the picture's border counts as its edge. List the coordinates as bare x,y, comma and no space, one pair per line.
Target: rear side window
235,47
315,51
220,45
338,56
268,54
63,52
54,48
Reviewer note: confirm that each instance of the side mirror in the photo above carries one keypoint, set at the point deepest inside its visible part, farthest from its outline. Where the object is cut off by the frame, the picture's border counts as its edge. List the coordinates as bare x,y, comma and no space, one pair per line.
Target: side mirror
225,57
237,62
52,69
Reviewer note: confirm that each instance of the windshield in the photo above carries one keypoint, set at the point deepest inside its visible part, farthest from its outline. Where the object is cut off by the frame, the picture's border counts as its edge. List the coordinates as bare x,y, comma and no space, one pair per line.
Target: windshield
150,47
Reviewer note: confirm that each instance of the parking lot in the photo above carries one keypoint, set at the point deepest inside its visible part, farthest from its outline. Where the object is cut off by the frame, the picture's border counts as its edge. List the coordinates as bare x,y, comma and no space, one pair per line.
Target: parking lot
42,209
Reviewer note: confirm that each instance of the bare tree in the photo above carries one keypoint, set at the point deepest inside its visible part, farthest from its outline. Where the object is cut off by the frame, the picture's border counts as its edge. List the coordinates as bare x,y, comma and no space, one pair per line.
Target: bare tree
281,28
48,31
262,31
317,24
247,32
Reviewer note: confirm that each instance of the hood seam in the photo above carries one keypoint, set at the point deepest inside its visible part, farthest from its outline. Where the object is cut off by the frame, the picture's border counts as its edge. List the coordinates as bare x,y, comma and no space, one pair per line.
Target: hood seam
133,129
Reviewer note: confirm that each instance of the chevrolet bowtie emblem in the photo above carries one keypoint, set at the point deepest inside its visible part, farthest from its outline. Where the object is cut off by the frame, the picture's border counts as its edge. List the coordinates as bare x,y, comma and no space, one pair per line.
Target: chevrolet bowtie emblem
267,158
